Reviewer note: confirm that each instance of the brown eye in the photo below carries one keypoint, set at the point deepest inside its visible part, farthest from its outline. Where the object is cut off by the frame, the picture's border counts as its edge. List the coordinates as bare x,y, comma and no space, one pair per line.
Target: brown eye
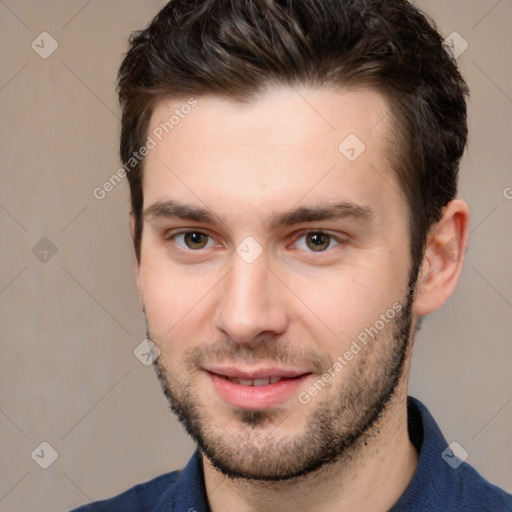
195,240
318,241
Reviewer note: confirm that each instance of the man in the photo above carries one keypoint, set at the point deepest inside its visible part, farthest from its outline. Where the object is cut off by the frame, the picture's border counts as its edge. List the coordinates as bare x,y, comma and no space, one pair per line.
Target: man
293,171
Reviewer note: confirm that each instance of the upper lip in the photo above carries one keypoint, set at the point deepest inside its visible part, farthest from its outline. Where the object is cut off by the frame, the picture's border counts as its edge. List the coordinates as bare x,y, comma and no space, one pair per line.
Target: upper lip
252,374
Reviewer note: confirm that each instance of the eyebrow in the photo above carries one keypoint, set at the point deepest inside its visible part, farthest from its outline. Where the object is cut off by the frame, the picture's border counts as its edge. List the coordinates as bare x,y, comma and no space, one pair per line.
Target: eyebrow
173,209
342,210
301,215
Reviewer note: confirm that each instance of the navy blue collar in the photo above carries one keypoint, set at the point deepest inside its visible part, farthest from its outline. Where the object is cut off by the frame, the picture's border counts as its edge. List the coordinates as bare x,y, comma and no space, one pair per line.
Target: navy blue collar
190,491
436,485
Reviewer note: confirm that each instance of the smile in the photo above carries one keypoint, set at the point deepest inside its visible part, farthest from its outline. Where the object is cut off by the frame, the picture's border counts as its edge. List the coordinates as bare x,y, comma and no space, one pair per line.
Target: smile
255,382
258,389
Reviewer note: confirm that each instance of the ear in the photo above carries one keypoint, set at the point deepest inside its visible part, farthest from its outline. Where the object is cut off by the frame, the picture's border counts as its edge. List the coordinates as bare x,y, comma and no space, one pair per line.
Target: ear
137,264
443,258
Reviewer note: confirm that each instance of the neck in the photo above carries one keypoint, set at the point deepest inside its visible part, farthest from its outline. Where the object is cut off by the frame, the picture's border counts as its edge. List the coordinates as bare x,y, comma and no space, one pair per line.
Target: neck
372,477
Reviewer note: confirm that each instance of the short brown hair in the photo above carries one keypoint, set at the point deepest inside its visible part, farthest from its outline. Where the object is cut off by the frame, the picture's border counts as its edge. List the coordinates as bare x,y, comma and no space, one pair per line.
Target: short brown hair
236,48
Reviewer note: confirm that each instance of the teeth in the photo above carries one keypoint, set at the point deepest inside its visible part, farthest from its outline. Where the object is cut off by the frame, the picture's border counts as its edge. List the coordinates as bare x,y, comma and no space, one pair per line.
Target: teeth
256,382
261,382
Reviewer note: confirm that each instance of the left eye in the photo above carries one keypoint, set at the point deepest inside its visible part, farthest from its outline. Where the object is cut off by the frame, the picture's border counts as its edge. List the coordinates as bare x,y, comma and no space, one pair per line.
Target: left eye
316,242
193,240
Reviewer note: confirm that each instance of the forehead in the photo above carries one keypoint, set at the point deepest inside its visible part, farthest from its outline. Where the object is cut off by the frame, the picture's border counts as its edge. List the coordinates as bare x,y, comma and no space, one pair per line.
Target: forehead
289,145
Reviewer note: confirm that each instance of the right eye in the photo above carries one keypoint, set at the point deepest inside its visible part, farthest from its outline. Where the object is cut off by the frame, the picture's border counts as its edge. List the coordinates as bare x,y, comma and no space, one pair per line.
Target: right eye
193,240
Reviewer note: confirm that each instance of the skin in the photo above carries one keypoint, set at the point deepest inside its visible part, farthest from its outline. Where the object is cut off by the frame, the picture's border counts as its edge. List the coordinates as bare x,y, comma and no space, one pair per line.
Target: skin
247,166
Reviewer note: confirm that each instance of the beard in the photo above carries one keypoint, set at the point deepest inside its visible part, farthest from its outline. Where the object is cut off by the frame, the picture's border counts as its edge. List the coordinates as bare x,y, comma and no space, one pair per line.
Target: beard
336,424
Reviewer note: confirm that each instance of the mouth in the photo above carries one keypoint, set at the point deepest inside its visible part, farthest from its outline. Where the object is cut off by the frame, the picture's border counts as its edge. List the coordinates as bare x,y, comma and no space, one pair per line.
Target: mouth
256,389
255,382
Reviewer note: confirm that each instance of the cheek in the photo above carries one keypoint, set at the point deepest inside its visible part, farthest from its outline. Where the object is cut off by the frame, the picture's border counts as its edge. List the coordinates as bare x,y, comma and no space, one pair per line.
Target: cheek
345,302
170,298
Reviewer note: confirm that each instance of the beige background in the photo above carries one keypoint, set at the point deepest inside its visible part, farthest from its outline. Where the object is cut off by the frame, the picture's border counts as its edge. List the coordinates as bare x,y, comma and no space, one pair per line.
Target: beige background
69,326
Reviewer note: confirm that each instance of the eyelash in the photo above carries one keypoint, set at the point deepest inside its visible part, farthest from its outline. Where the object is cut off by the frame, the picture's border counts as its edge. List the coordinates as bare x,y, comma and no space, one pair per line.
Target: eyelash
172,238
336,239
332,239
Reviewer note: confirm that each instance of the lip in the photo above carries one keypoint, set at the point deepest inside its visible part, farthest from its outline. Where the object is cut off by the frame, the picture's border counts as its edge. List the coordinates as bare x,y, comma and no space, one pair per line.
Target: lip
255,373
256,397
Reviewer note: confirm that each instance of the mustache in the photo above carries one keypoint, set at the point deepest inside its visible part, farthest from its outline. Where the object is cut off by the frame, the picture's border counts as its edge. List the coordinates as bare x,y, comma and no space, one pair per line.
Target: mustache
265,350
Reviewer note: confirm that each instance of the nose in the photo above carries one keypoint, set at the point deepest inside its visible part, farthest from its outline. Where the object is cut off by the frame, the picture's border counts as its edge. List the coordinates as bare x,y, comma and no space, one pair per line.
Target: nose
250,303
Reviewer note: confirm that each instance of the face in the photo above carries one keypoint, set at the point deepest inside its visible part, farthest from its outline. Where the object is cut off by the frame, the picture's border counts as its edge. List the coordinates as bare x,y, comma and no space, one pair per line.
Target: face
275,275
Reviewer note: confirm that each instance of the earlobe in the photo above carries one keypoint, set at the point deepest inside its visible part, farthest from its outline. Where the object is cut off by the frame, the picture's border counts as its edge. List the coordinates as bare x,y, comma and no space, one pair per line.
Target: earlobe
131,222
136,263
443,258
137,279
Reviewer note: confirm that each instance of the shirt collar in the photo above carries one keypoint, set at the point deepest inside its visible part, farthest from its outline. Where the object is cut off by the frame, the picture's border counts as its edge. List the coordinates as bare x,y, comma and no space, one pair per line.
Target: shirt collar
433,476
191,491
430,473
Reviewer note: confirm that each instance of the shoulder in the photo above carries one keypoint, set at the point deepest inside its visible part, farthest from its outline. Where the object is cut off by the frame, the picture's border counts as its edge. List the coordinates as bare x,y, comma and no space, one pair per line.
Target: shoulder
442,481
476,493
145,496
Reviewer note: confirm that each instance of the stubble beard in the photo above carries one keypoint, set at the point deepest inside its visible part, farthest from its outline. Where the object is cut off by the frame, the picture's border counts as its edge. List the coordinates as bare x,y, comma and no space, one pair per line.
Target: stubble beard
334,427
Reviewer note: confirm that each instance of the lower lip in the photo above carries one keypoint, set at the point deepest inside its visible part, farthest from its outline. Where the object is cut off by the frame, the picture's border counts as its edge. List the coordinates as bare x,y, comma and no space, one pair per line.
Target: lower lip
256,397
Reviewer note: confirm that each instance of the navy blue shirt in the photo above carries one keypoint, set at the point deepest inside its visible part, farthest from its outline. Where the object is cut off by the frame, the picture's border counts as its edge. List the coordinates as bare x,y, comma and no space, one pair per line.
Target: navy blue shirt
440,482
